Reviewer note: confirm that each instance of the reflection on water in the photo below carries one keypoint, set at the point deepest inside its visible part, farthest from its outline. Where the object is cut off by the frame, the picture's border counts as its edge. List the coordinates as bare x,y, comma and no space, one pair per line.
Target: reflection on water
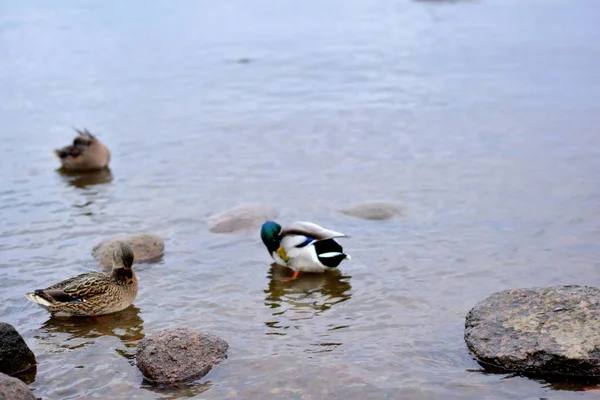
554,382
305,297
180,391
64,334
84,179
27,376
573,384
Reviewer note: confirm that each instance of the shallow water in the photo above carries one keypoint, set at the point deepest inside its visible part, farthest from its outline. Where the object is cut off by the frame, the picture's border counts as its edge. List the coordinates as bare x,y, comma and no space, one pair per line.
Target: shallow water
480,118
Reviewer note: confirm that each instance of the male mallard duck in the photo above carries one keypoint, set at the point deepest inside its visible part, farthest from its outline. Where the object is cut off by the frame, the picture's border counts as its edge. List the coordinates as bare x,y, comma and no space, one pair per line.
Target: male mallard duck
303,246
92,293
85,154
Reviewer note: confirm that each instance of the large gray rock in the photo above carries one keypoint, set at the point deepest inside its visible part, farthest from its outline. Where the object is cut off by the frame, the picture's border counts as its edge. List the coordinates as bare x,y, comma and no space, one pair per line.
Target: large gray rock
179,355
146,248
376,210
14,389
243,217
554,330
15,356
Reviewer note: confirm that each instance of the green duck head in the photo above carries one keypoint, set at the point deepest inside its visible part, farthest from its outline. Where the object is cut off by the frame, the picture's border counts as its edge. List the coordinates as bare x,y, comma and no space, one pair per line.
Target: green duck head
270,234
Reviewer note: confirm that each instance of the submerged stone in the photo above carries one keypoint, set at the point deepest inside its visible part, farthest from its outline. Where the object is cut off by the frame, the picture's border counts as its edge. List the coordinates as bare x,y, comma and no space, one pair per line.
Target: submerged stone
376,210
146,248
14,389
243,217
179,355
540,331
15,355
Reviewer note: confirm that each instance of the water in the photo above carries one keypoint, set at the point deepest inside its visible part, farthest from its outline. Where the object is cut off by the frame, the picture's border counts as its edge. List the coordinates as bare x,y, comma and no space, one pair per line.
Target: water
480,118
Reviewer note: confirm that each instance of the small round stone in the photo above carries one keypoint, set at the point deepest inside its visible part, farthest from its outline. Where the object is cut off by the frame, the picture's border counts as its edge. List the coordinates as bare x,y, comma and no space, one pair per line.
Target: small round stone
179,355
146,248
240,218
542,331
373,210
14,389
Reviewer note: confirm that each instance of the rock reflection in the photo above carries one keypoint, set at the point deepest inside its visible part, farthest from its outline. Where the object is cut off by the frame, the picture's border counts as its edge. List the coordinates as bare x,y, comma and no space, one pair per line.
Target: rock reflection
180,391
63,334
27,376
305,297
573,383
84,179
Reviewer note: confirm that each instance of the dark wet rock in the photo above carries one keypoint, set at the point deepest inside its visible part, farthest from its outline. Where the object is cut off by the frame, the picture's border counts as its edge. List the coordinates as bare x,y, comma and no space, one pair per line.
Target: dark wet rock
146,248
373,210
179,355
15,355
14,389
540,331
244,217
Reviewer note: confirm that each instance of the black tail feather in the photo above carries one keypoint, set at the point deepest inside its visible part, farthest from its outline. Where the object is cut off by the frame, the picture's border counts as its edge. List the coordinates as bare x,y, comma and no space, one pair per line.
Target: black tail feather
330,246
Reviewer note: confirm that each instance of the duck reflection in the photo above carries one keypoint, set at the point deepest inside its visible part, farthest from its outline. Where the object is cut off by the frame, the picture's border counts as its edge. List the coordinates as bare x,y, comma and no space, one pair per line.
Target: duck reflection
63,334
307,296
84,179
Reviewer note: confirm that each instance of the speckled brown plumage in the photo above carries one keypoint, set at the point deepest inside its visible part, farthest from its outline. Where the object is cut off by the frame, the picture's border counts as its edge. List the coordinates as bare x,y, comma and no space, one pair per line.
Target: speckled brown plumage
92,293
85,154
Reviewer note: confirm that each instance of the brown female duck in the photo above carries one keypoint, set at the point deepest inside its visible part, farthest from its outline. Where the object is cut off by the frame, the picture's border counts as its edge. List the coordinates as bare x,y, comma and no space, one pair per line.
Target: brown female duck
92,293
86,153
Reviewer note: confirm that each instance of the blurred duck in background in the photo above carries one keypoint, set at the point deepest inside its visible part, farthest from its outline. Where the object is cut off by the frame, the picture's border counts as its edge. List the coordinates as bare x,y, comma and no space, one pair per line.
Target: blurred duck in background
86,153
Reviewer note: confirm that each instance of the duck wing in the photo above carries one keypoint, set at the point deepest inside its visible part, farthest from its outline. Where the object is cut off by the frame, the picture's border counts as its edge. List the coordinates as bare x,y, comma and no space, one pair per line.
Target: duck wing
310,230
77,288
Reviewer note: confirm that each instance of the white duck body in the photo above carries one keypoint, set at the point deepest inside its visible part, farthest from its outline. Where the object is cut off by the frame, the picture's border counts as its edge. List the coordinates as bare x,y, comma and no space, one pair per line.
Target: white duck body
308,247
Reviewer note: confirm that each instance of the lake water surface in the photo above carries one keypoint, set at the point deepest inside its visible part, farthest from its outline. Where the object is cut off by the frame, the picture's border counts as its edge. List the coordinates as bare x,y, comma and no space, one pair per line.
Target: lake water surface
480,118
